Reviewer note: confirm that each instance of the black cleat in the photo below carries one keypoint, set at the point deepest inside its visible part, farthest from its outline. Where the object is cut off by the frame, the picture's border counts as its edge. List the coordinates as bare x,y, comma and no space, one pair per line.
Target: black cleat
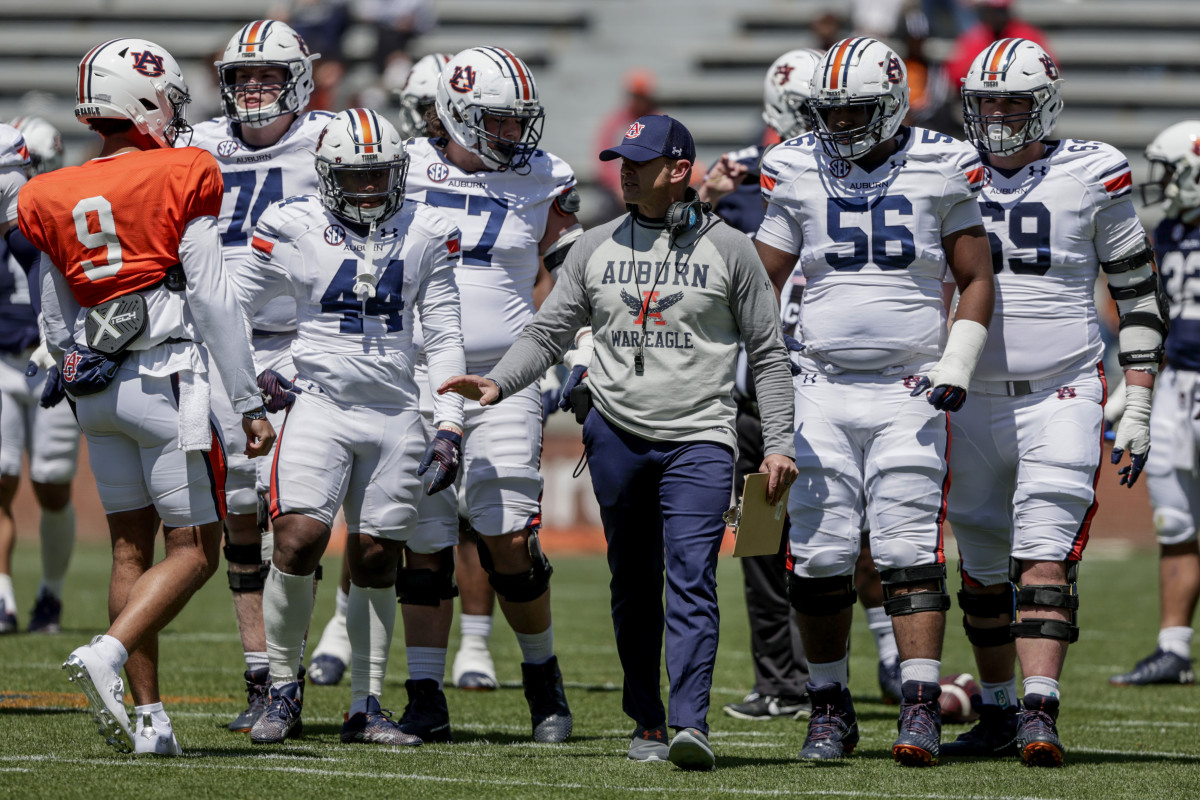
548,709
1158,667
426,716
833,726
994,735
375,726
326,670
920,725
1037,736
258,683
47,614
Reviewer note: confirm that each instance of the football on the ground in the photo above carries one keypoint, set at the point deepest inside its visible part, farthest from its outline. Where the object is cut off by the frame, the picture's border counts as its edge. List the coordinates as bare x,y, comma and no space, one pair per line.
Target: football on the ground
957,691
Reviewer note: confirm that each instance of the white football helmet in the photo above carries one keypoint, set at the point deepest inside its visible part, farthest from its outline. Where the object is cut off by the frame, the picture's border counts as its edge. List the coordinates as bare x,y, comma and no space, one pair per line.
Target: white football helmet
858,73
362,165
419,94
136,80
786,91
44,143
266,43
1174,157
1011,68
490,82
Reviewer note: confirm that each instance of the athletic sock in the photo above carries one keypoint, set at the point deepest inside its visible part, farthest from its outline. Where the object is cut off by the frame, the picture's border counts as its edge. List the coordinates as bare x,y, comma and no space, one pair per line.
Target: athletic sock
537,648
999,694
287,608
1046,687
927,670
57,530
830,672
880,625
476,625
426,663
1177,640
370,619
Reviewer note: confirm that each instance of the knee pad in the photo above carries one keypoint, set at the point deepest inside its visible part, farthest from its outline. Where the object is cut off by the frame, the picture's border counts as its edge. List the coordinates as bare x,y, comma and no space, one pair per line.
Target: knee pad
427,587
1172,526
248,555
914,602
815,596
526,586
990,606
1048,596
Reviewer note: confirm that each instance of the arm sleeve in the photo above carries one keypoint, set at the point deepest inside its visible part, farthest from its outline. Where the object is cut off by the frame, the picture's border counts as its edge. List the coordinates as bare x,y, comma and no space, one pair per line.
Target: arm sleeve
59,309
552,329
214,308
754,308
441,322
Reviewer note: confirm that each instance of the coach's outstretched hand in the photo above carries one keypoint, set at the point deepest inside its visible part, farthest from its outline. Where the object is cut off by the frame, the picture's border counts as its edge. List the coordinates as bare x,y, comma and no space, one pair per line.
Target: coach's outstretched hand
473,387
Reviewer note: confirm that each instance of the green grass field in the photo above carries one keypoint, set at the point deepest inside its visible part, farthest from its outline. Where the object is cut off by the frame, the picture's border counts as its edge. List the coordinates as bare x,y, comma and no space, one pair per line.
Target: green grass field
1122,743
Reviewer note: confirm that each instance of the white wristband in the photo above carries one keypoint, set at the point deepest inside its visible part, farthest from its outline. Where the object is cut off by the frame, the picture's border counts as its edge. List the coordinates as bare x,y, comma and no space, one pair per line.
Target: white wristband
963,348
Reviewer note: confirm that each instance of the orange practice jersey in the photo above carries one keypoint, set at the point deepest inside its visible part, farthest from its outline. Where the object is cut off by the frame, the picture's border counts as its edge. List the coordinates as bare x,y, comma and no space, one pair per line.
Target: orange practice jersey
113,225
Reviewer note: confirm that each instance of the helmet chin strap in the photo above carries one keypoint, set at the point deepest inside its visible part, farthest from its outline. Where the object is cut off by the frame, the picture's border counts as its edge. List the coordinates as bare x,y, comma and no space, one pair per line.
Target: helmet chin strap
365,282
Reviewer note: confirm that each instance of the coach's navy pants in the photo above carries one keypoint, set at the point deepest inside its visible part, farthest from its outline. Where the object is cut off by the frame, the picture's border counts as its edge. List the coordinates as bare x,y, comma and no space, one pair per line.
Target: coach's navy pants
661,504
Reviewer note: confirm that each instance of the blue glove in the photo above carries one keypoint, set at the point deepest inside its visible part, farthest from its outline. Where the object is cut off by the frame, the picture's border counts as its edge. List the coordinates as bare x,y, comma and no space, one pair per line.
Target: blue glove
549,403
444,450
54,391
943,397
793,346
279,390
578,373
1129,473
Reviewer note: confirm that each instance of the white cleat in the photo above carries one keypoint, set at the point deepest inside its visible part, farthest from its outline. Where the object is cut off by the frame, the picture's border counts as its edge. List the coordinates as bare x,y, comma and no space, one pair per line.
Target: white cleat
473,669
148,741
105,692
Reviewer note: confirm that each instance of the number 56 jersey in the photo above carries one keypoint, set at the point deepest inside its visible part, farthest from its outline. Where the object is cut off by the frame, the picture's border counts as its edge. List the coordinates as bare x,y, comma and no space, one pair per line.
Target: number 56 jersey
870,243
356,354
1051,223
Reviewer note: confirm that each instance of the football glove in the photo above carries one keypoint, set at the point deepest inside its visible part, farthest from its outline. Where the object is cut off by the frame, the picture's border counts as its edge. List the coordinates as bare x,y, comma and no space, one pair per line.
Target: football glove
1133,433
443,455
578,373
279,391
794,346
54,391
947,382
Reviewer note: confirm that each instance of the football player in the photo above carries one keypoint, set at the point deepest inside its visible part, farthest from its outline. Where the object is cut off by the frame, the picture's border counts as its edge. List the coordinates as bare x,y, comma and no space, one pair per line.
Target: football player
515,205
874,213
1171,473
419,94
360,263
1026,452
136,306
49,435
264,145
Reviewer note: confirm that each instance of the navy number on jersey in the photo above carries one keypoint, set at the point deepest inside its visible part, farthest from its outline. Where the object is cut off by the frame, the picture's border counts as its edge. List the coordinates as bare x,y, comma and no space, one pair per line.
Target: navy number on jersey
480,255
889,243
1029,232
244,218
387,303
1180,273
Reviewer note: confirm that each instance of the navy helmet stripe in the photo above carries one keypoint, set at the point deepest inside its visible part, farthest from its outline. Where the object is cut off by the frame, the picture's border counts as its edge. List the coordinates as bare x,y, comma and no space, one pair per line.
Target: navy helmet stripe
505,68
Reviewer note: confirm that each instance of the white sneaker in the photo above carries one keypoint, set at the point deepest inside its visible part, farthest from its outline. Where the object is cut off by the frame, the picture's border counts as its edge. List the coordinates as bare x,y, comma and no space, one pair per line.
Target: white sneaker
105,692
148,741
473,668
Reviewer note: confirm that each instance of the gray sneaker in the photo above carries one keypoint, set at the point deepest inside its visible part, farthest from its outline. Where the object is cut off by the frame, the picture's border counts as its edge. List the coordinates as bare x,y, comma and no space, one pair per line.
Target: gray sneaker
649,744
690,750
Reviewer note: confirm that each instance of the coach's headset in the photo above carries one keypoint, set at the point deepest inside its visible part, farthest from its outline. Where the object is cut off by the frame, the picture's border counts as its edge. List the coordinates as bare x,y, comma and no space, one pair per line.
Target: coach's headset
683,216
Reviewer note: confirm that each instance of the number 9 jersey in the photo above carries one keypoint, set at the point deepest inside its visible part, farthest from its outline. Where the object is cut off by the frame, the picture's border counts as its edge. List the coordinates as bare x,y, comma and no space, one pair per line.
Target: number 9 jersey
870,243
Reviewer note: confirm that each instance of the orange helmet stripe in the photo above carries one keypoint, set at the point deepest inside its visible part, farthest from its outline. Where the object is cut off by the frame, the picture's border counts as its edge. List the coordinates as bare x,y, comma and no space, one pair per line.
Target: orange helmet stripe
838,59
519,71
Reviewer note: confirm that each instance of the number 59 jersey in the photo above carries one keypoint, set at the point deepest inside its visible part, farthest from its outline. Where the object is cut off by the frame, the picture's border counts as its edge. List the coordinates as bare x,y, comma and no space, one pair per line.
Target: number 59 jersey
356,354
1051,223
255,177
502,216
870,243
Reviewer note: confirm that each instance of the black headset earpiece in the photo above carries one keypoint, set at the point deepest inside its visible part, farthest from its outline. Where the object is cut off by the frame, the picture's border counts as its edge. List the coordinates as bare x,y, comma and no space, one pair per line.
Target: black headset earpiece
686,214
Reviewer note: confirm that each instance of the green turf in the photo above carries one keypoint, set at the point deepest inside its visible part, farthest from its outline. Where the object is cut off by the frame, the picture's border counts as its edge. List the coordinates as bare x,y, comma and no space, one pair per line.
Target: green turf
1122,743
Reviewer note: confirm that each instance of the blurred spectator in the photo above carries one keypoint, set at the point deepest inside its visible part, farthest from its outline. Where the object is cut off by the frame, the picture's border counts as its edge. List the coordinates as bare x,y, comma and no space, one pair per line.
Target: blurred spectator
639,101
996,21
826,31
397,24
926,79
322,24
949,18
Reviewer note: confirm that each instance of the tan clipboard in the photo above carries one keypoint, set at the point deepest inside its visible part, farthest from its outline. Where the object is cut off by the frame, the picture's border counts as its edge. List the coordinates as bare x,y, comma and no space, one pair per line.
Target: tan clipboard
757,526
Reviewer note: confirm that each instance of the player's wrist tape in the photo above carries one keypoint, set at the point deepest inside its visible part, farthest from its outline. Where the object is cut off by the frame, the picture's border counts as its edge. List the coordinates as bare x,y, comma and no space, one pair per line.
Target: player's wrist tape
450,426
964,345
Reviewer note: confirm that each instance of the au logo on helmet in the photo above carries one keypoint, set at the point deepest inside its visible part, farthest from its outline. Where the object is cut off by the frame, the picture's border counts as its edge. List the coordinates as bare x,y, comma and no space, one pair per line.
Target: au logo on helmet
635,130
148,64
783,73
1051,68
463,79
894,73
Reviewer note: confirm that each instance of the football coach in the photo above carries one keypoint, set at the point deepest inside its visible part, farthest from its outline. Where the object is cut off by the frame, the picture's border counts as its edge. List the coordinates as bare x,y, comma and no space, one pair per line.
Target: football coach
669,290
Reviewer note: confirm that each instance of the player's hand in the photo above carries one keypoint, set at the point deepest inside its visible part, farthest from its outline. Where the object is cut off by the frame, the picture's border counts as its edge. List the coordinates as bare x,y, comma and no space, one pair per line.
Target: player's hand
260,436
793,345
279,390
725,177
781,472
472,387
443,455
942,396
578,373
1133,434
54,391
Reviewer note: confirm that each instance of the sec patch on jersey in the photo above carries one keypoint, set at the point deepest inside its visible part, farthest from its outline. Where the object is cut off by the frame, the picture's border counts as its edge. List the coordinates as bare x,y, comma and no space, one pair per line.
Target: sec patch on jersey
957,691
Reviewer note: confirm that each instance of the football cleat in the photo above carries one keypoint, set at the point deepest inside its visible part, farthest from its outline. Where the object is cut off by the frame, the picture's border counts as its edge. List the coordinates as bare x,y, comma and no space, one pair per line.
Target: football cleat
920,725
8,619
375,726
281,719
105,692
1037,734
649,744
148,741
326,670
426,715
1158,667
548,709
473,669
258,684
757,706
994,736
47,614
833,726
889,682
689,750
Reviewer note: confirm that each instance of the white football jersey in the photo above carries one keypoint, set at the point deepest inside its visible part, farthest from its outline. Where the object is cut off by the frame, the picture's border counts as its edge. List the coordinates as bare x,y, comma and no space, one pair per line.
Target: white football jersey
870,243
13,158
303,251
1050,224
502,216
254,178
